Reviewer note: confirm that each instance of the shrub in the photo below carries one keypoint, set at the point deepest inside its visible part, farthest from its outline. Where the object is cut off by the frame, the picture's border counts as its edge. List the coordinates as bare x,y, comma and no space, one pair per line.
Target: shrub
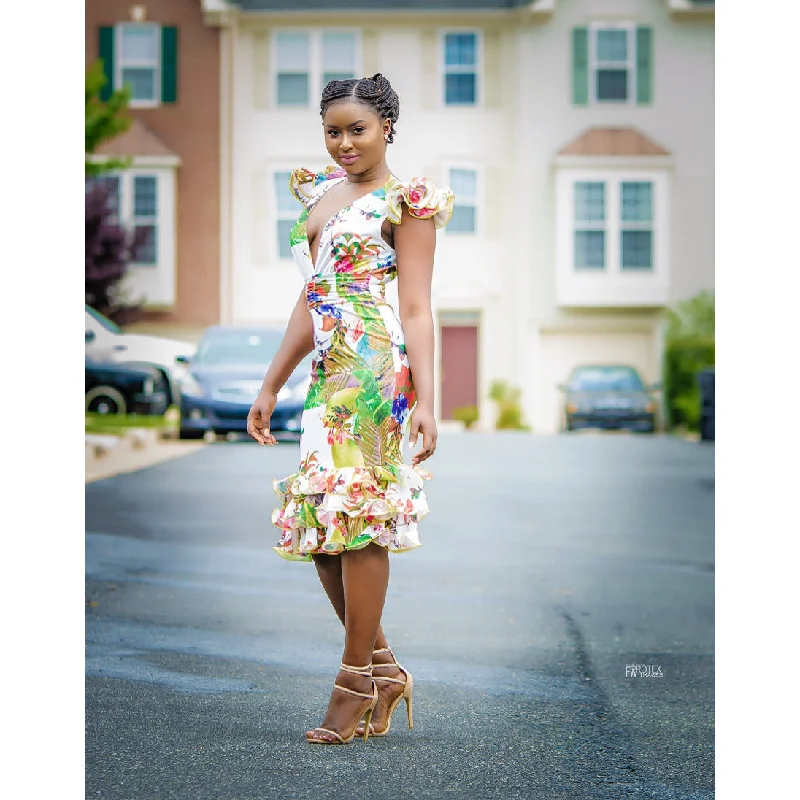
467,415
684,360
509,410
688,350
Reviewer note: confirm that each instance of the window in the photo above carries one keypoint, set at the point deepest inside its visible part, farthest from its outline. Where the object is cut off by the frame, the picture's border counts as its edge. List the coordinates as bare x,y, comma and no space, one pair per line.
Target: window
631,224
145,219
612,63
612,233
338,57
589,251
293,65
138,63
464,183
613,74
636,224
287,213
460,68
134,202
306,61
143,57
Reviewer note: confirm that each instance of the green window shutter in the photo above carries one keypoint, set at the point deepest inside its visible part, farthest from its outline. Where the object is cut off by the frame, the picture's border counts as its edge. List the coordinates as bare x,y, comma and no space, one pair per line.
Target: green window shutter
644,65
169,64
580,66
106,52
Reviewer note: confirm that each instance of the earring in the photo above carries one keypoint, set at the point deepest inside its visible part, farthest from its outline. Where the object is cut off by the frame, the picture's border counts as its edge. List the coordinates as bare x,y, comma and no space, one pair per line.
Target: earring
386,136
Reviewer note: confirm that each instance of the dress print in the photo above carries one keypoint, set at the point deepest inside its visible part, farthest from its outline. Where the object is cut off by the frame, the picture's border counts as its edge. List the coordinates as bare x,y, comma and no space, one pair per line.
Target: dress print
352,487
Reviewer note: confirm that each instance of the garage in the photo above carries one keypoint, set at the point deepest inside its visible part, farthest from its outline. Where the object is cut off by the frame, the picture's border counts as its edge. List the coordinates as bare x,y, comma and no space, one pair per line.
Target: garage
561,351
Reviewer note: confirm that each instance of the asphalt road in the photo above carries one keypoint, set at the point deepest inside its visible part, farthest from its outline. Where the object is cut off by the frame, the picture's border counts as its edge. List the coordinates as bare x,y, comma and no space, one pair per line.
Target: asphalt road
550,565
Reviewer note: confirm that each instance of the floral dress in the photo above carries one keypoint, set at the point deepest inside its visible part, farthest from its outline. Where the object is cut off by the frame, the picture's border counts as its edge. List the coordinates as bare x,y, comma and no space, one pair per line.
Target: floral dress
352,487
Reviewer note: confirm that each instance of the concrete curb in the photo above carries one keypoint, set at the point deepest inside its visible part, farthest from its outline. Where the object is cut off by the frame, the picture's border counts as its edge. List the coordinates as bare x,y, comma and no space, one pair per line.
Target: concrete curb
109,455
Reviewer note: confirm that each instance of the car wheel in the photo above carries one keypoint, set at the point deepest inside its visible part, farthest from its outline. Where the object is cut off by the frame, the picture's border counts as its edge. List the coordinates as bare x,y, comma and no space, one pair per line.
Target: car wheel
105,400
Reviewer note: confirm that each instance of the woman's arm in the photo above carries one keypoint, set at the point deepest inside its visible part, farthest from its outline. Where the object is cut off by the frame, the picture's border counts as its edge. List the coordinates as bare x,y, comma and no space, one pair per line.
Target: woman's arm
415,243
298,342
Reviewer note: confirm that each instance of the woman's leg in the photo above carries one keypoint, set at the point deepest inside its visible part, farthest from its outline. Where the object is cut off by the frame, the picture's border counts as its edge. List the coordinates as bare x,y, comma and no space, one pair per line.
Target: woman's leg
329,570
364,579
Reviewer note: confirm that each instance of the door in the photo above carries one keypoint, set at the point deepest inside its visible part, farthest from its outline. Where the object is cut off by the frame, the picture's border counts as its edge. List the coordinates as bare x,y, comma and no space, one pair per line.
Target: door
459,368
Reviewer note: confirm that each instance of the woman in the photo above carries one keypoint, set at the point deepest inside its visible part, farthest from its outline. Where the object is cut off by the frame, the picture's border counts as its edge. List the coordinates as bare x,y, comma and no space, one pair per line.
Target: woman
354,499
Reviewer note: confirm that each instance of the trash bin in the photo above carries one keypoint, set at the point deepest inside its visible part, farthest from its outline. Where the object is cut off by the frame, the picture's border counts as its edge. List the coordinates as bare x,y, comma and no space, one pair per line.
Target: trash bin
706,380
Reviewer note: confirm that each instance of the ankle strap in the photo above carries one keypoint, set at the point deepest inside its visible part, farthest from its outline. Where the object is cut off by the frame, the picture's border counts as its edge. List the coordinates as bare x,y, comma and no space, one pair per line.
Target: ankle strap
364,671
384,650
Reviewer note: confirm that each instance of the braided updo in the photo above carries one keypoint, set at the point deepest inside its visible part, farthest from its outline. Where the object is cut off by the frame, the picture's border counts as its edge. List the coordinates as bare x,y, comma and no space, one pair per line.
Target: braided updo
375,92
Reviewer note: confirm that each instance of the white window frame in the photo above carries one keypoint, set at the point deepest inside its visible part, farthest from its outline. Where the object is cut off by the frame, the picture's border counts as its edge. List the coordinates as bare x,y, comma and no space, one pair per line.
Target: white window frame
612,286
613,225
590,225
315,67
155,282
630,64
479,200
118,63
478,68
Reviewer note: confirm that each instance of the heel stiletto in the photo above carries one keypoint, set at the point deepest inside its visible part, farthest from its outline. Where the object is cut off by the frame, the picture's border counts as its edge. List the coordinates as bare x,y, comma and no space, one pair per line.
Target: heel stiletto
407,695
365,672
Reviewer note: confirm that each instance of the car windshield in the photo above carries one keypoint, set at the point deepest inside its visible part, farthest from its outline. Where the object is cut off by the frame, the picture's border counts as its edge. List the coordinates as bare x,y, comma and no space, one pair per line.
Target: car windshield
237,347
618,379
104,321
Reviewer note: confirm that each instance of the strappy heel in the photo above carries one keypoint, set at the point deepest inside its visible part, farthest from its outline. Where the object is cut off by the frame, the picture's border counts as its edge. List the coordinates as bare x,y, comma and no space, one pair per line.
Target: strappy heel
407,695
365,672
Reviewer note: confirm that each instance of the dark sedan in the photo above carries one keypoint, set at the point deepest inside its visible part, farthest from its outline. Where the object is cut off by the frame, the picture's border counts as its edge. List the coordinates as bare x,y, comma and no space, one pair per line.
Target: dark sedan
608,396
124,388
224,377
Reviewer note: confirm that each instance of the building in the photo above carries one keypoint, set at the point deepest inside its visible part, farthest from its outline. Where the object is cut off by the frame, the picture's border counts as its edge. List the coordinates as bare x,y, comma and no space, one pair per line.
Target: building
578,136
170,57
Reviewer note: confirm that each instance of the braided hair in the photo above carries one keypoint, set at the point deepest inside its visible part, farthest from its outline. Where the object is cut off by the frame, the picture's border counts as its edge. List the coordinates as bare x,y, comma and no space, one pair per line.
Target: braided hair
375,92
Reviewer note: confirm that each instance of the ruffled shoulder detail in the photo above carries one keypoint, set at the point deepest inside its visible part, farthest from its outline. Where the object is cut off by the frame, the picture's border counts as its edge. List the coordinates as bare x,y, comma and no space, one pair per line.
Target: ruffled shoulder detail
303,182
423,198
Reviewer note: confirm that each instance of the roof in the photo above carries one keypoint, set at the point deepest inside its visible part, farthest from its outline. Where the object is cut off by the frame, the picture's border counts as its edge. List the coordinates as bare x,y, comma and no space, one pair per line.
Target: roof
138,140
377,5
617,141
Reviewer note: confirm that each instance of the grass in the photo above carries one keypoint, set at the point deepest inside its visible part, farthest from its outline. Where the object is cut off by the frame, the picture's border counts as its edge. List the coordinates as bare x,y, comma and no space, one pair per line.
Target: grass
120,424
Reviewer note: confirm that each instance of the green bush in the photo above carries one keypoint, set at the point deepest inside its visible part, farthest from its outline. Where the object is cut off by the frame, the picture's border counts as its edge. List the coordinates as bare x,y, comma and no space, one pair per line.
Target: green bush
466,414
509,410
684,360
688,350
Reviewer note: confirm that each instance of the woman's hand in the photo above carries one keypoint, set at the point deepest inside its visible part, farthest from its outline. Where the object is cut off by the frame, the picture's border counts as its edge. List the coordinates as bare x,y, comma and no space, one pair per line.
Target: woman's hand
259,415
423,421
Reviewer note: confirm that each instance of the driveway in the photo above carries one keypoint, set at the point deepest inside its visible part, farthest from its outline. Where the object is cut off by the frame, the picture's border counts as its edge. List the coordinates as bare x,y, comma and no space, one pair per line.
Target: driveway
559,623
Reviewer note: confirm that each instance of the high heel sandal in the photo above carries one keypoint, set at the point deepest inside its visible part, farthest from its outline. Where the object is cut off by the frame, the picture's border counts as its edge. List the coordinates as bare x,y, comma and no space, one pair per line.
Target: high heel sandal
408,691
365,672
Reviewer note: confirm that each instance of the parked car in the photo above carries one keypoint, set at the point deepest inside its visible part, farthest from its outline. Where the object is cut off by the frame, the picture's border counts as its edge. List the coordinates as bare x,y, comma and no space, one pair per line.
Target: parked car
124,388
608,396
706,380
106,342
225,376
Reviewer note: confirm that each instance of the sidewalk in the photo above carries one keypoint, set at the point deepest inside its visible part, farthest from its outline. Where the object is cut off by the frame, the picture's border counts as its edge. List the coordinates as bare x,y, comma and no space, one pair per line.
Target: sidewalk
107,455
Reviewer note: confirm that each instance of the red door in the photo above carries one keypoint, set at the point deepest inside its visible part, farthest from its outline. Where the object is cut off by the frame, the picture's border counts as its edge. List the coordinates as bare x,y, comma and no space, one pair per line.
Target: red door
459,367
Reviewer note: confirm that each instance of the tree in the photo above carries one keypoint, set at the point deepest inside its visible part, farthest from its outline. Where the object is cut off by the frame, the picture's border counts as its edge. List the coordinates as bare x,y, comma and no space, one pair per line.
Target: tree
109,247
104,120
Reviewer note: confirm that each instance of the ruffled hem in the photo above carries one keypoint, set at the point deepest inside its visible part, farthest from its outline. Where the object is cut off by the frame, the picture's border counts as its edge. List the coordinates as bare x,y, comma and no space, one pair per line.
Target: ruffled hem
330,510
423,199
